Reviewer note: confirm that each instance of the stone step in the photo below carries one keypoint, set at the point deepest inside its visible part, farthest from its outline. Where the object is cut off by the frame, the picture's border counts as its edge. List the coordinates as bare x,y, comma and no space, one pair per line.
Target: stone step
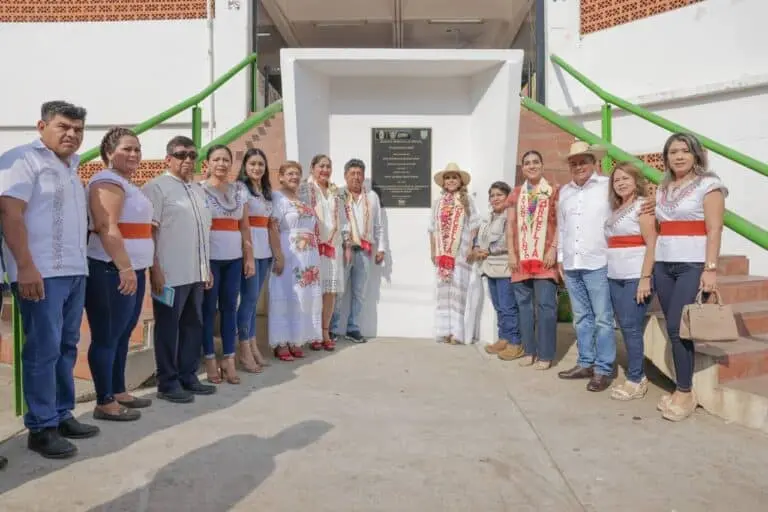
751,317
744,358
735,289
733,265
745,401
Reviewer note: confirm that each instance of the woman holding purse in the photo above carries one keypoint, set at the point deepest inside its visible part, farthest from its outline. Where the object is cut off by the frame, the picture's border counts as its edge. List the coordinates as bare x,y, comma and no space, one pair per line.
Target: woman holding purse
690,203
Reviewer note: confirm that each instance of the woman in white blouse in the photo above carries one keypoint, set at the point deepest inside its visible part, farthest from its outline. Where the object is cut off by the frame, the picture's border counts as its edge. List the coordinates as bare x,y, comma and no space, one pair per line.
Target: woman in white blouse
120,249
690,204
631,238
254,174
231,257
322,195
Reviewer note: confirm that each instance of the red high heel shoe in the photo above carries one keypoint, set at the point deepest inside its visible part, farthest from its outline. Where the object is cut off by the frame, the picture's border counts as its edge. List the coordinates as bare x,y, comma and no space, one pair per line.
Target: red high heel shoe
283,353
296,351
329,345
316,345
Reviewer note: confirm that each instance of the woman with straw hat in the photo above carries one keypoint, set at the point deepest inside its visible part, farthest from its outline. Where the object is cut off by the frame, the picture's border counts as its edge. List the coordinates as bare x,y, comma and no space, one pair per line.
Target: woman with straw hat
453,225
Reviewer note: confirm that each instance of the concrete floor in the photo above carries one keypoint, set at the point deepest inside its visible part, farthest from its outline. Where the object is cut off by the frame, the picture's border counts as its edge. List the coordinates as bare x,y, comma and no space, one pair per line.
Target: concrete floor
399,425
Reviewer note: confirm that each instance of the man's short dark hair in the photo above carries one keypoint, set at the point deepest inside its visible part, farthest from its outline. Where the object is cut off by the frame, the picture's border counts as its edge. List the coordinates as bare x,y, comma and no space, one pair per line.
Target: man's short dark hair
179,140
51,109
355,162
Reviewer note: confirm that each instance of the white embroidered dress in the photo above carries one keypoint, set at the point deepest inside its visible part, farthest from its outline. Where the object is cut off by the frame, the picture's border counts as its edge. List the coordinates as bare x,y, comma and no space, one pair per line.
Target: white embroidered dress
452,293
295,296
331,223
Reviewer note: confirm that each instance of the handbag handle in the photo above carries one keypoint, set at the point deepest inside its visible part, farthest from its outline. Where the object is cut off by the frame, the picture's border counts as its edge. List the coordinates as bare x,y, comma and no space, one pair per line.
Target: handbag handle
715,292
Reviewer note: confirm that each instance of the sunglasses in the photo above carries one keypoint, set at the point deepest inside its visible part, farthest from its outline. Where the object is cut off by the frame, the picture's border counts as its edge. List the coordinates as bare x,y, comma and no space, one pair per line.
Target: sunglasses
183,155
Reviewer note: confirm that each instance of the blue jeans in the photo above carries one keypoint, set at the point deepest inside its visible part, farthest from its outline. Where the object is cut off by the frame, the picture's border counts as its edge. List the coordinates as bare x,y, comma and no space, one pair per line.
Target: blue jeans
631,318
250,289
224,293
593,318
543,293
52,329
111,317
677,285
503,300
355,279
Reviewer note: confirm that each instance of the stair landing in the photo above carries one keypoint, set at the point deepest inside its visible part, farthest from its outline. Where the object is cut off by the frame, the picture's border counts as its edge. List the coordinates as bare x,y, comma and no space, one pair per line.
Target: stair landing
730,379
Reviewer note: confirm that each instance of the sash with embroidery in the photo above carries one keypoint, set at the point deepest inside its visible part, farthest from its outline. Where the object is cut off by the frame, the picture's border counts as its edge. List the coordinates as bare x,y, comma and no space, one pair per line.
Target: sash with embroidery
354,230
325,248
532,219
450,216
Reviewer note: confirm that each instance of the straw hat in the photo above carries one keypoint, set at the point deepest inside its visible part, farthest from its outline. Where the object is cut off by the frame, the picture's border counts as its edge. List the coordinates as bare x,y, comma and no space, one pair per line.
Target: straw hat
453,168
579,148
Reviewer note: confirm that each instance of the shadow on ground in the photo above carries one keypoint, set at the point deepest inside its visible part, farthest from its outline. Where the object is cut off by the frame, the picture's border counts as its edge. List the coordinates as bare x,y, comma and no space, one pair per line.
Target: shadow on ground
240,464
25,466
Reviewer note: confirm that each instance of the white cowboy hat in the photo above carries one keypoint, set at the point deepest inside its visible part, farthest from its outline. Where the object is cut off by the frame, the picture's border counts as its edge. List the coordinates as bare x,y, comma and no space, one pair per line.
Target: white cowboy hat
579,148
453,168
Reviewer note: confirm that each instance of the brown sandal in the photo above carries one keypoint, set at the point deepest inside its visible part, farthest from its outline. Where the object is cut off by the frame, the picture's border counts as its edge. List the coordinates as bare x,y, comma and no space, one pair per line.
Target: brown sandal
225,372
214,377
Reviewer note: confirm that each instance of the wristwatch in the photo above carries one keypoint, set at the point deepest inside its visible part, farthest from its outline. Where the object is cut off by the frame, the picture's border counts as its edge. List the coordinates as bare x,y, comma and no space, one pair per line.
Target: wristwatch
710,266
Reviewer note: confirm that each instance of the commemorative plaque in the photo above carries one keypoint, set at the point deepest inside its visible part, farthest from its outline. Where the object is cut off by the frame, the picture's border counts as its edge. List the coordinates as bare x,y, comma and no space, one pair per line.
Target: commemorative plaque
401,166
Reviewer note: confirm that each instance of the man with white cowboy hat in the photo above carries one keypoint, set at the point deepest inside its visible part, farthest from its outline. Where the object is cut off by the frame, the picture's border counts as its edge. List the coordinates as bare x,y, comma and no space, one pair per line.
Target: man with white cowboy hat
582,258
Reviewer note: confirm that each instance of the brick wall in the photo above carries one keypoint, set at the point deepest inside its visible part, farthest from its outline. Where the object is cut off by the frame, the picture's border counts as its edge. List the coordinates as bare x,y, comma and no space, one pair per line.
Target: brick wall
52,11
602,14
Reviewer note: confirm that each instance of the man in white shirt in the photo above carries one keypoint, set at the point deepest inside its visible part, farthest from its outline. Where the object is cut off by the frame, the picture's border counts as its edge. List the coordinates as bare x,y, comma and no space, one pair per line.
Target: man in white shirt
181,226
582,256
366,233
43,214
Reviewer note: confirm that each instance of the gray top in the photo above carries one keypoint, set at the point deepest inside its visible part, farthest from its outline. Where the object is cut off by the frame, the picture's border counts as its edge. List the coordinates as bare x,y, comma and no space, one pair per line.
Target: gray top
184,226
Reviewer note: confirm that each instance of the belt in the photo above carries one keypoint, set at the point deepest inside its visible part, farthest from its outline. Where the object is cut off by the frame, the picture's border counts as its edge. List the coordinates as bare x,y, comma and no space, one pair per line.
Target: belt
134,230
258,221
225,225
683,228
620,242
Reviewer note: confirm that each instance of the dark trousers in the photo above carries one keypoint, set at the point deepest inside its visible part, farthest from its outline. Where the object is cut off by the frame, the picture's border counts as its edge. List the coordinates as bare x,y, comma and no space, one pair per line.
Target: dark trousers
224,294
51,331
676,285
112,317
178,338
539,340
631,318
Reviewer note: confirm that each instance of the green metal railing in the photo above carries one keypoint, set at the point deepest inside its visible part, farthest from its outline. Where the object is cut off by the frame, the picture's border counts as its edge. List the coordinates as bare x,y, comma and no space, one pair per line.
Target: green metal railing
241,129
740,225
193,102
720,149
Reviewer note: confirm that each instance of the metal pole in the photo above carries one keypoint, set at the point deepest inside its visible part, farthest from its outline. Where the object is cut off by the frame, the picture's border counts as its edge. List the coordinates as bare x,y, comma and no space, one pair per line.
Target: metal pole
607,134
255,64
18,344
541,52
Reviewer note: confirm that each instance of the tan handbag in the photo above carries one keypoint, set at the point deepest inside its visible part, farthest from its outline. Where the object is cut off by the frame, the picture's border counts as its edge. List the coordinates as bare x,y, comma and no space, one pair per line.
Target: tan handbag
708,322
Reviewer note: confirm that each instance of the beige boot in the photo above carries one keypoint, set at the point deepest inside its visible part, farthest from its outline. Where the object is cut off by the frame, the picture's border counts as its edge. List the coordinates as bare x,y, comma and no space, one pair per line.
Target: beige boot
511,352
497,347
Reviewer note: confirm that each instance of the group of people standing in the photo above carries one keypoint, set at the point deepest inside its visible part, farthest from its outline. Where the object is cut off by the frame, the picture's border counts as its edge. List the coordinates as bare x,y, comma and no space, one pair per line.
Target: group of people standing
612,245
207,247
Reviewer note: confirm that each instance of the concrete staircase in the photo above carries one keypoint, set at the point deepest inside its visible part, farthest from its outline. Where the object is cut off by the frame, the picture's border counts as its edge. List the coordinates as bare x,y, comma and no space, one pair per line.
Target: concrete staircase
730,379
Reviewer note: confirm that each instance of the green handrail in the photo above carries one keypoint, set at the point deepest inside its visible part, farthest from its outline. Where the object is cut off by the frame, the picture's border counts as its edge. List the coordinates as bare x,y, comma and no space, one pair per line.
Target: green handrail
740,225
720,149
190,102
241,129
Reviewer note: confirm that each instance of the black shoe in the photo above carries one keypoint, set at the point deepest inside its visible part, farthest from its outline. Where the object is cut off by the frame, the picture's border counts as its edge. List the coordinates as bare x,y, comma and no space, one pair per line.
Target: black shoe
335,336
3,462
73,429
356,337
179,396
136,403
49,443
198,388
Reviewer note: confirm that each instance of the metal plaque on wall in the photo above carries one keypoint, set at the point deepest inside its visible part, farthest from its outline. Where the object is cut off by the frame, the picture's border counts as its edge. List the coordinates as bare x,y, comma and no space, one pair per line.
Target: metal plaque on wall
401,166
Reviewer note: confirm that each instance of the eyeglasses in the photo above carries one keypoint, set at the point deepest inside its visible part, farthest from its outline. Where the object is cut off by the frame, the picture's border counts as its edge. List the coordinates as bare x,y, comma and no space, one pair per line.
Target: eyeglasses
183,155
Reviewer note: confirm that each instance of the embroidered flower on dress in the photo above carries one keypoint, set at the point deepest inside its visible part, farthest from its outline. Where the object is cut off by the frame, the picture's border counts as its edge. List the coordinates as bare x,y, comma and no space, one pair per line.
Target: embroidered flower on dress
304,241
307,276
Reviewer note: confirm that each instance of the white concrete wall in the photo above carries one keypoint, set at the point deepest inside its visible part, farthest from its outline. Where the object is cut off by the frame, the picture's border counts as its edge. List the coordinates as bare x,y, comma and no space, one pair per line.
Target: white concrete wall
703,66
123,73
456,103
